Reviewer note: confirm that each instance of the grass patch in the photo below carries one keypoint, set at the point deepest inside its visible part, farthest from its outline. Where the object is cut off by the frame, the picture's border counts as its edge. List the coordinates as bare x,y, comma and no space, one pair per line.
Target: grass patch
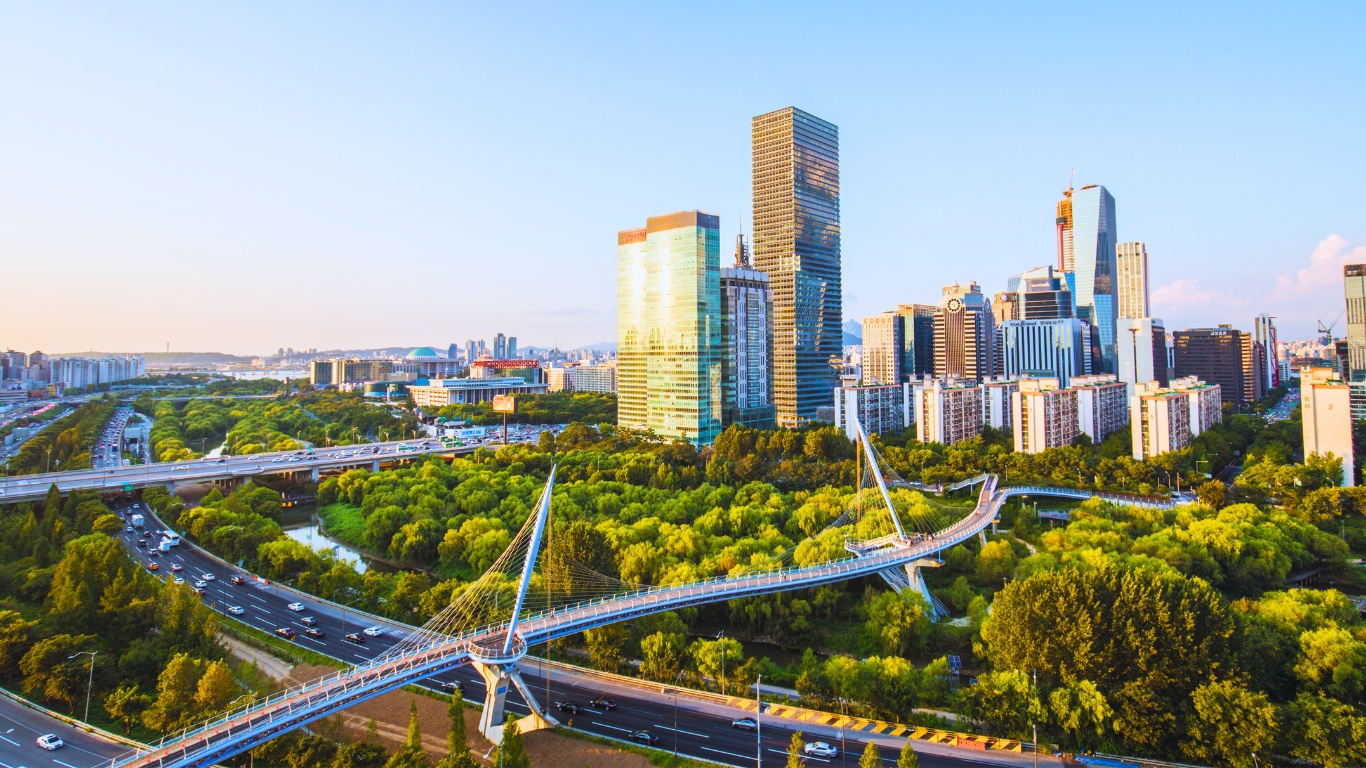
657,757
344,522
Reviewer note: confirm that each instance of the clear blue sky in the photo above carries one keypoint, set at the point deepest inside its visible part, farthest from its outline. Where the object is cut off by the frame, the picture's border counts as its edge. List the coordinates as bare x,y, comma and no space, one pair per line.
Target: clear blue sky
245,176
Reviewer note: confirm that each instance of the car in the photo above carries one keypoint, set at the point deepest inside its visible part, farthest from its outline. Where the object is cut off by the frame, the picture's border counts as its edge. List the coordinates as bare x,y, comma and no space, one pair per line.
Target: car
314,632
308,621
603,703
238,580
176,567
199,584
177,580
373,631
208,577
453,688
819,749
296,607
199,591
128,529
285,632
352,637
153,567
153,553
50,741
572,707
236,610
644,737
745,724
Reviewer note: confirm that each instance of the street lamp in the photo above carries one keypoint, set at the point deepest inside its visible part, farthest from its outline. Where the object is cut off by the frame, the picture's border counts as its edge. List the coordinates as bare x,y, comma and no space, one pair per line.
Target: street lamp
721,636
89,683
676,679
759,722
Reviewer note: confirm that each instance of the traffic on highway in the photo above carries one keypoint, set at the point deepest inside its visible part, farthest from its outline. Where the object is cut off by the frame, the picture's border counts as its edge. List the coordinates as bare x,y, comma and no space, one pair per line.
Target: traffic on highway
107,452
647,714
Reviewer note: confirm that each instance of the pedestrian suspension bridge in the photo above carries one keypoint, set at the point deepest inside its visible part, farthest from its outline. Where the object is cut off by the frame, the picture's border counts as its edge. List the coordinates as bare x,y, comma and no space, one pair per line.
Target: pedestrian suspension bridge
532,595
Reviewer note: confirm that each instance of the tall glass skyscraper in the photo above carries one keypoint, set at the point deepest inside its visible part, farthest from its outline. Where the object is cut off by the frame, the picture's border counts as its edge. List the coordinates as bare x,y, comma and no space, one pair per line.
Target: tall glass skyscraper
669,327
1093,243
797,243
1354,278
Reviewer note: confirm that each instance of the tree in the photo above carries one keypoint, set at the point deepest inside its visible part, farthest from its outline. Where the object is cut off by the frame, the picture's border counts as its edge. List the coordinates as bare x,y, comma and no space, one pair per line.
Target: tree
907,758
1212,493
511,748
898,622
995,562
49,670
16,636
410,755
794,750
313,751
717,660
457,740
176,688
1080,710
661,656
870,758
606,645
1334,662
1325,731
215,689
127,705
1006,699
1230,724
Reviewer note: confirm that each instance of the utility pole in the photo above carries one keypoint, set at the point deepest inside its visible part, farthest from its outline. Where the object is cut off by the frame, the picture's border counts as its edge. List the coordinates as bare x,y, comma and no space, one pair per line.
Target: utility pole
89,683
759,722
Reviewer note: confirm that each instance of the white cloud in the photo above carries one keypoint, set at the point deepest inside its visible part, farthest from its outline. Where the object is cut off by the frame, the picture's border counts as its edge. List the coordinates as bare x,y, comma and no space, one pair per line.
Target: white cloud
1188,293
1322,279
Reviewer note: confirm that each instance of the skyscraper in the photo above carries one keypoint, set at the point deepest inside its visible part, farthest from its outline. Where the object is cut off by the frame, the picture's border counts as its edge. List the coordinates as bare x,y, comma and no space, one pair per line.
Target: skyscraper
500,347
917,352
1354,275
471,351
964,334
797,244
1264,332
669,327
1064,224
453,351
512,348
1040,294
1131,263
883,344
1142,350
1055,349
1093,229
1224,356
747,341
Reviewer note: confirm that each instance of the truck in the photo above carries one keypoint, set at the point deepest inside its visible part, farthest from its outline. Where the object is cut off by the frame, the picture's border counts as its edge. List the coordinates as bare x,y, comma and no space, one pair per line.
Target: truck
136,520
165,545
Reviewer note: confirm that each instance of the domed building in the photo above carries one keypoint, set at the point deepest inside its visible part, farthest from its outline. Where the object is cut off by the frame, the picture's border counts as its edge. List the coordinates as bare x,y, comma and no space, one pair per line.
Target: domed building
427,364
423,354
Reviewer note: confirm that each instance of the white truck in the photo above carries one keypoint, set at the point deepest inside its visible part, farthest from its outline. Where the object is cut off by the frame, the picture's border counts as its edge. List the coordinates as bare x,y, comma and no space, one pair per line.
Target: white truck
136,520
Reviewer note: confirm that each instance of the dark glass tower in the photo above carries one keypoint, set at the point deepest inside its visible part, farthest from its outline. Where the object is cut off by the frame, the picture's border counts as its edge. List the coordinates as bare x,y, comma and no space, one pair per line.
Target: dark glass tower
797,243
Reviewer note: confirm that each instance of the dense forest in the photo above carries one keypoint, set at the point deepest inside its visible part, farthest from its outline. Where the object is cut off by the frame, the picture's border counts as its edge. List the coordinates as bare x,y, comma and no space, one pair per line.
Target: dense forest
1165,633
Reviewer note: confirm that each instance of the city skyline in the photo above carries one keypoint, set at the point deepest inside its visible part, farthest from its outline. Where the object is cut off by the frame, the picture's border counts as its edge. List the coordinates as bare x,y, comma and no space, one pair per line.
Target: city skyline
302,191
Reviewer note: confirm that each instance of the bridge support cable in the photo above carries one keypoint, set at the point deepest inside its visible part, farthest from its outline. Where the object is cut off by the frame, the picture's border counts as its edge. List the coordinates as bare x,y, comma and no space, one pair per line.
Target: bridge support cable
876,471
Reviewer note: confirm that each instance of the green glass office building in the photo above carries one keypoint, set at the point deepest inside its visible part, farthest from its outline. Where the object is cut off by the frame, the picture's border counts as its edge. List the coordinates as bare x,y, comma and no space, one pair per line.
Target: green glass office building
669,327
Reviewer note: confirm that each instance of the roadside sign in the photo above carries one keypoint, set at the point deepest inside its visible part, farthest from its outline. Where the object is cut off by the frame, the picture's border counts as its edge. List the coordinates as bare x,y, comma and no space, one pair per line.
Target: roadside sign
504,404
127,487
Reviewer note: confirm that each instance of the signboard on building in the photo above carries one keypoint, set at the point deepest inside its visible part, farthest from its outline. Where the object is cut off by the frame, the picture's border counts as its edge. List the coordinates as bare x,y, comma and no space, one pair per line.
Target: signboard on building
504,404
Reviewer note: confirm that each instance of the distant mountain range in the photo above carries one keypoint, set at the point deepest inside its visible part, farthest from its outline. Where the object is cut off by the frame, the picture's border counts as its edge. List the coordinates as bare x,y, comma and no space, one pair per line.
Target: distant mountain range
160,359
853,333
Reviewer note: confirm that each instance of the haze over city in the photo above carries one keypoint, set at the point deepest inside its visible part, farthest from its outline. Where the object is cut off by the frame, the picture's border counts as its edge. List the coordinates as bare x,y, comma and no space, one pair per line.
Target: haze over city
241,178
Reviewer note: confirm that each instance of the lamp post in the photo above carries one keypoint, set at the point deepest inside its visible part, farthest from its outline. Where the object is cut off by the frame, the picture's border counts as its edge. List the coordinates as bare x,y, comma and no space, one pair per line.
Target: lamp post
721,636
676,679
759,723
90,683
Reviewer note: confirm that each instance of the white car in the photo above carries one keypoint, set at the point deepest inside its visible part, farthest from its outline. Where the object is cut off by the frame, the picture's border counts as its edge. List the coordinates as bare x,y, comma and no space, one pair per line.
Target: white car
296,607
200,584
208,577
374,631
236,610
50,741
819,749
177,580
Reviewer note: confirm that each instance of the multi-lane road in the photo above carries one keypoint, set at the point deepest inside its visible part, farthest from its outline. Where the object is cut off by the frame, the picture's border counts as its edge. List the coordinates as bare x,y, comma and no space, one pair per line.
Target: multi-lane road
20,728
702,728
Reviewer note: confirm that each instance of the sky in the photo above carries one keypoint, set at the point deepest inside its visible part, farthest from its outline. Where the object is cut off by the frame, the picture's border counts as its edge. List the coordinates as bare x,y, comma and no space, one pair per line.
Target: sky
239,177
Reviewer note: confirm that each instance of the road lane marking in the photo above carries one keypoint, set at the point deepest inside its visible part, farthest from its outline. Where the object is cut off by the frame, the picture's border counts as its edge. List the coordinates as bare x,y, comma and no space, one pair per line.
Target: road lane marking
59,762
6,738
680,730
732,754
616,728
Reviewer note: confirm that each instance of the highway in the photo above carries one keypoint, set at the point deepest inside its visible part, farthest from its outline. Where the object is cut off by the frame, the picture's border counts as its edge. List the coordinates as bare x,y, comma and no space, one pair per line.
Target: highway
106,453
702,728
20,728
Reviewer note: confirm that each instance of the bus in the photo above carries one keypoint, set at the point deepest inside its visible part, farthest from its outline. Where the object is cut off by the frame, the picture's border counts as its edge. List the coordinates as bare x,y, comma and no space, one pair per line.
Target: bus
171,538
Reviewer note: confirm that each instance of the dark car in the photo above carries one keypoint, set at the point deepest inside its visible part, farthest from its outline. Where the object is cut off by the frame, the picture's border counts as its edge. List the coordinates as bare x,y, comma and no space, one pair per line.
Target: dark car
603,703
572,707
238,580
644,737
285,632
314,632
453,688
308,621
352,637
140,542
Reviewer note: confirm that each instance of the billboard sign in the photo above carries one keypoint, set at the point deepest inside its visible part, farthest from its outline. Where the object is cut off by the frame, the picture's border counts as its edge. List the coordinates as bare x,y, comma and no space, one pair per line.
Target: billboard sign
504,404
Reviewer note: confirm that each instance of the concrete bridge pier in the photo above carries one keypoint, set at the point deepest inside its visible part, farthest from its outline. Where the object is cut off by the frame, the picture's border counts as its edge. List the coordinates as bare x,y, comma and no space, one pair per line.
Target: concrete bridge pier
910,578
374,465
497,677
313,475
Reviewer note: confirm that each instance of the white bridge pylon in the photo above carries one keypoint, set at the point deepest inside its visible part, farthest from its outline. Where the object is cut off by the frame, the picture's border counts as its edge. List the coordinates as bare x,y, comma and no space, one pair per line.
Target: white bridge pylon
494,645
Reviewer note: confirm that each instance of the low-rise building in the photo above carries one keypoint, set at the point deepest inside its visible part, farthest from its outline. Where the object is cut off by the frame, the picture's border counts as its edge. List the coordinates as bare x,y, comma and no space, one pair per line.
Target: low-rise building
526,370
881,408
1044,415
439,393
946,411
1102,405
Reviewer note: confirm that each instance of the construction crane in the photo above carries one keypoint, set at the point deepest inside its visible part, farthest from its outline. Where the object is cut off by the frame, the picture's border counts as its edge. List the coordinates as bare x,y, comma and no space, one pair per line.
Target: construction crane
1327,330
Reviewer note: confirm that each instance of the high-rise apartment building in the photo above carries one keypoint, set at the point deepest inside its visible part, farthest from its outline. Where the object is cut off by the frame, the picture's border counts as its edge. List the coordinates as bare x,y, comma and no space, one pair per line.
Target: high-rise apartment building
1044,415
1045,349
747,341
1142,350
1354,278
1064,225
996,398
1206,403
1264,333
879,409
1131,265
1254,369
946,411
964,334
1326,405
917,333
669,327
1102,405
883,345
797,244
1215,355
1093,275
1159,420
